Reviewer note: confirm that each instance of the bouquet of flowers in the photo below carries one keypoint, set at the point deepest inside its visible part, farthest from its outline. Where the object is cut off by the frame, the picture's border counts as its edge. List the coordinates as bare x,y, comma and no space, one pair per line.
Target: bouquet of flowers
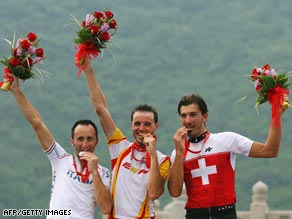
24,55
95,32
271,86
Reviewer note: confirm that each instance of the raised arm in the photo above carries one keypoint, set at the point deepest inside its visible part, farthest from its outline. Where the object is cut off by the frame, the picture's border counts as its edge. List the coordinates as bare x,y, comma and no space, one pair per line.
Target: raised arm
98,100
271,147
30,113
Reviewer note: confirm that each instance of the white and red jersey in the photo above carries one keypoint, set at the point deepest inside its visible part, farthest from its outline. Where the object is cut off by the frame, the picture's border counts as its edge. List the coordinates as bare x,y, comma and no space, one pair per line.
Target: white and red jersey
209,169
130,179
68,191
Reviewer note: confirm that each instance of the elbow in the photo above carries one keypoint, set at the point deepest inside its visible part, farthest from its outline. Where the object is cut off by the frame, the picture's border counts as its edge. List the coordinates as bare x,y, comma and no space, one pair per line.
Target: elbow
174,194
155,195
274,155
174,190
37,124
107,209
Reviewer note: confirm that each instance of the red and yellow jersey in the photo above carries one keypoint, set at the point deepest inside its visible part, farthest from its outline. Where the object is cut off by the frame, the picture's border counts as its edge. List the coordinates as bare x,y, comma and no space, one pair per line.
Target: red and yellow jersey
130,178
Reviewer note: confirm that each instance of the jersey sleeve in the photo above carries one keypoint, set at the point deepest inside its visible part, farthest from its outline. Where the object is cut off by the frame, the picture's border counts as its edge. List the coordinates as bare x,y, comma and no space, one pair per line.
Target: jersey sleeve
105,175
55,152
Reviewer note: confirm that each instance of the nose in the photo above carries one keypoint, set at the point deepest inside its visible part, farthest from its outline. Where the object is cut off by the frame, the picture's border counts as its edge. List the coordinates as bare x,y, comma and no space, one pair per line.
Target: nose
85,144
188,119
142,127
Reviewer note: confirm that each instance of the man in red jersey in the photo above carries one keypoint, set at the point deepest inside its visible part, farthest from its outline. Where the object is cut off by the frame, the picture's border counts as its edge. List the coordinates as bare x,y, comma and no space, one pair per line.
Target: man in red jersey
205,161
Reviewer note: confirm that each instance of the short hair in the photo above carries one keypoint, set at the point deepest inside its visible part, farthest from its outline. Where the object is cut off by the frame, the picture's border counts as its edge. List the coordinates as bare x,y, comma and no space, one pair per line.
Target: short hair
193,99
145,108
84,122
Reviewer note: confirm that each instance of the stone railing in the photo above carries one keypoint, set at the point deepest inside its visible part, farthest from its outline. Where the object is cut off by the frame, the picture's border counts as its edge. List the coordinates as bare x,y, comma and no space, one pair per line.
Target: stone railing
259,208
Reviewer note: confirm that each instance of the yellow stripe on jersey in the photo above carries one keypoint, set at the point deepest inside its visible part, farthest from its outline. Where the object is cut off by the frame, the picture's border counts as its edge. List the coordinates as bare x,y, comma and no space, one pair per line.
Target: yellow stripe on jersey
164,168
116,137
144,206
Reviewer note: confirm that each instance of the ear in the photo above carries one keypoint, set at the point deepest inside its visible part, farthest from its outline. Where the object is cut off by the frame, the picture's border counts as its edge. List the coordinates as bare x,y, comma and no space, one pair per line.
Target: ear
206,115
157,124
71,141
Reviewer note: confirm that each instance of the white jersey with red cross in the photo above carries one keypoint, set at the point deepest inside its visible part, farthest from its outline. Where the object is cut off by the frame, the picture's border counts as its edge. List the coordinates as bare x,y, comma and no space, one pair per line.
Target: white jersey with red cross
209,169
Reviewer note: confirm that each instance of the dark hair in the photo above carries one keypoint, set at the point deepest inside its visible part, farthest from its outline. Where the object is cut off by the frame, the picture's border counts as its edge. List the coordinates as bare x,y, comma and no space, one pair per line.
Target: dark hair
193,99
145,108
84,122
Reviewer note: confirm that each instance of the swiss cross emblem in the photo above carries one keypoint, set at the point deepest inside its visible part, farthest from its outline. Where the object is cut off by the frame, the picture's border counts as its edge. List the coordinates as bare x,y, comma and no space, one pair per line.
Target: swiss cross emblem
204,171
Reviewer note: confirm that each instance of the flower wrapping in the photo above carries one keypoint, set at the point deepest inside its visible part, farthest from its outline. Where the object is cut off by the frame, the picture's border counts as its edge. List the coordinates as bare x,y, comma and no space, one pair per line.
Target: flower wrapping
25,54
271,87
96,31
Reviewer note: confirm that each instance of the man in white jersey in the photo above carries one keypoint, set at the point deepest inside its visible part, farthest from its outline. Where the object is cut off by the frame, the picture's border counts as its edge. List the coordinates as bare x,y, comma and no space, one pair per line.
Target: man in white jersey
139,170
79,183
205,161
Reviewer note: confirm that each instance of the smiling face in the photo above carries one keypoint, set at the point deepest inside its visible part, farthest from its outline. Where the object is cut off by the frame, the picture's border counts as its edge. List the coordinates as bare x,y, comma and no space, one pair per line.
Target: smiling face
84,138
192,118
143,123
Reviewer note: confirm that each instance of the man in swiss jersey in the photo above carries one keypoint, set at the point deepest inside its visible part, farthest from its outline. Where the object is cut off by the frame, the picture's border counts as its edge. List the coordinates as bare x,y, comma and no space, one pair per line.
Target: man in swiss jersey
205,161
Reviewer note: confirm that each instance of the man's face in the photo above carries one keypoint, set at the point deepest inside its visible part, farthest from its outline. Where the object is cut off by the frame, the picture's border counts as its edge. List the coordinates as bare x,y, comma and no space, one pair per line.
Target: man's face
84,138
143,123
191,117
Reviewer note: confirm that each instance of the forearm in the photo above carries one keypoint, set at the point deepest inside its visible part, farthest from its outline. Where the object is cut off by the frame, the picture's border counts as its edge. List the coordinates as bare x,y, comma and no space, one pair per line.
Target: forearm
274,139
98,100
271,147
176,177
156,181
102,194
95,92
26,108
30,113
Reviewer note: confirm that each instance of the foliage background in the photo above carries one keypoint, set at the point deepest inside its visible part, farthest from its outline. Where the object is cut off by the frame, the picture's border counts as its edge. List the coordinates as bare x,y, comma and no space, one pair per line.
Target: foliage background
162,51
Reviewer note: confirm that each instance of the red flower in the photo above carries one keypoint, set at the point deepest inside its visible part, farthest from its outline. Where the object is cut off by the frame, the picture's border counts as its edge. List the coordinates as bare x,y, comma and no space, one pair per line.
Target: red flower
94,28
6,70
14,61
89,45
254,74
39,52
98,14
258,87
113,24
25,44
28,62
266,67
105,36
109,14
14,52
31,37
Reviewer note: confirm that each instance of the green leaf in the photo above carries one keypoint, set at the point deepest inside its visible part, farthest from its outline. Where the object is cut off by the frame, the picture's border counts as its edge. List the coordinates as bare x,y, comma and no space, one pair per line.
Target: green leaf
269,82
18,71
84,35
261,99
281,79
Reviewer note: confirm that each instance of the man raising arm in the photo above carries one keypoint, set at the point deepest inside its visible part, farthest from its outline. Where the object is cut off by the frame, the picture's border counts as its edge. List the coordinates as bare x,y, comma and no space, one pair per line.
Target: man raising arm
139,169
79,182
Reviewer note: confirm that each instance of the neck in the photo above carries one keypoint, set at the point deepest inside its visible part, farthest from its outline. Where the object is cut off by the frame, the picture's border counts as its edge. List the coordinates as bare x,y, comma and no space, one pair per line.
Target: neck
198,138
139,147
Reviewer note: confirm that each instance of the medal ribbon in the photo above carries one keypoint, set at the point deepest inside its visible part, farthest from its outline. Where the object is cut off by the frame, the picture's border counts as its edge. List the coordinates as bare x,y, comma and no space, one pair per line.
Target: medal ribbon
84,177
